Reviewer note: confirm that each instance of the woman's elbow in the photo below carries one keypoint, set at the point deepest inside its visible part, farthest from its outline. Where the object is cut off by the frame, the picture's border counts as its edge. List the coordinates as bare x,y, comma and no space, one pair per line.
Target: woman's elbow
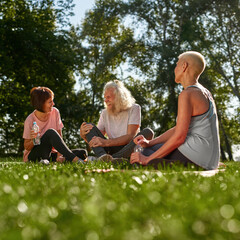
180,140
28,146
129,138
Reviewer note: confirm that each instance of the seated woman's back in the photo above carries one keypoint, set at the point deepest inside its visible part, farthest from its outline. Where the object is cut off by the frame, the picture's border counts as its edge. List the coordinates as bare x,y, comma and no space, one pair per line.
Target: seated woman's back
199,97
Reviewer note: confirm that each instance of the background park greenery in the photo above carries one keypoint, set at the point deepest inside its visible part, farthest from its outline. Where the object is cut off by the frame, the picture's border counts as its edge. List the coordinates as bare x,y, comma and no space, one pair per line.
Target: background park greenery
136,41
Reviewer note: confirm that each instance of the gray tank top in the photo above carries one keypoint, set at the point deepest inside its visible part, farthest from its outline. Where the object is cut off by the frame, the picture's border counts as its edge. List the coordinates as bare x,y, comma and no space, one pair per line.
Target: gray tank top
202,145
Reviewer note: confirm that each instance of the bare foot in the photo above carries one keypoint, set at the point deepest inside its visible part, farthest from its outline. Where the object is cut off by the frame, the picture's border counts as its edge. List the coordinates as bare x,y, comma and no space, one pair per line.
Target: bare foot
60,159
220,164
75,159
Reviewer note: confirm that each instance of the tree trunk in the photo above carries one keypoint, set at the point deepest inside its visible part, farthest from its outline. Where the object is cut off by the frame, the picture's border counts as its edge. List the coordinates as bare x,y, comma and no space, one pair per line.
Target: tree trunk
223,153
228,145
21,147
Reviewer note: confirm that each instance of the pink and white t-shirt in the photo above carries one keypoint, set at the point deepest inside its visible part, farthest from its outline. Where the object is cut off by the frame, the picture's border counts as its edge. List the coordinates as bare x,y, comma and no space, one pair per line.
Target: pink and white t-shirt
54,121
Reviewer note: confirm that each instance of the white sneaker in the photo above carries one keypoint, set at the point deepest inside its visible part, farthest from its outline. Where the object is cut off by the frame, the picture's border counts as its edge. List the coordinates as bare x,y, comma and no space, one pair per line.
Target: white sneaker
80,161
44,161
106,158
91,158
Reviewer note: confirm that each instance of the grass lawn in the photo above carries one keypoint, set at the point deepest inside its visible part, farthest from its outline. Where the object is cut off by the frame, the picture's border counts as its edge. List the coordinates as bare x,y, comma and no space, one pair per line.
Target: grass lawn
70,201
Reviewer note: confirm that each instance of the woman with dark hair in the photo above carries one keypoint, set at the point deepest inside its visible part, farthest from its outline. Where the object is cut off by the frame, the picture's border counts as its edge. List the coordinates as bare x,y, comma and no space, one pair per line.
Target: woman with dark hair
50,125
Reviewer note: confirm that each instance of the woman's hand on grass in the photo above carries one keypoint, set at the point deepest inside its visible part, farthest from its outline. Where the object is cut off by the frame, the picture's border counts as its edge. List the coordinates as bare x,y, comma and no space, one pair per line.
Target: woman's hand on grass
60,158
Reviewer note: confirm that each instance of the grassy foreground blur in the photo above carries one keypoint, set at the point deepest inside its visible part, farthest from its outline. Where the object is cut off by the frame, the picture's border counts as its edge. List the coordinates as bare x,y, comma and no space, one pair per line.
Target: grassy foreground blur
99,201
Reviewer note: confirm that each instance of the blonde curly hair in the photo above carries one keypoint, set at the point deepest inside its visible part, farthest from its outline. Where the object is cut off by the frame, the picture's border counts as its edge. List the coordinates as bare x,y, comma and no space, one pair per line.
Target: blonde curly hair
123,98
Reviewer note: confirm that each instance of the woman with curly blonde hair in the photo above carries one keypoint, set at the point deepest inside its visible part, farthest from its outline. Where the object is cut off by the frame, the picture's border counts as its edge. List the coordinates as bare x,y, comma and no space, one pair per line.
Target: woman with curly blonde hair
123,98
120,121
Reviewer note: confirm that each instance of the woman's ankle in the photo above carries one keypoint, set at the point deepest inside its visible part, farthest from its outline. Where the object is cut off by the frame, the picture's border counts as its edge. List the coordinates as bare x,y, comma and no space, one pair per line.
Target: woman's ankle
75,159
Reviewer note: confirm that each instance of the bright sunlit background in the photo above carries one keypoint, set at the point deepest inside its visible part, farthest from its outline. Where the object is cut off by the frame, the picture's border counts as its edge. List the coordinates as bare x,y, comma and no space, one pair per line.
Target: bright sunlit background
81,6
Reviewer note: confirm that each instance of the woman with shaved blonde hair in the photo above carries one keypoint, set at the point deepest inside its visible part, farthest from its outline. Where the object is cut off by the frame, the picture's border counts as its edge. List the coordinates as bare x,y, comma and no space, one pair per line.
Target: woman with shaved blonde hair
195,138
120,121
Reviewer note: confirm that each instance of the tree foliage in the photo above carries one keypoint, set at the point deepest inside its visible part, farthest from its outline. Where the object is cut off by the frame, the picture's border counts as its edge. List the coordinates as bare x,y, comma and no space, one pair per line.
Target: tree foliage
136,41
160,31
33,52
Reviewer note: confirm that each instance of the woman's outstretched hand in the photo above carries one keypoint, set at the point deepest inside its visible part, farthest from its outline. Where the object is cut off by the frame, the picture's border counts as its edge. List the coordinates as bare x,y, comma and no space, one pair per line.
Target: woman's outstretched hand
137,157
85,129
97,142
141,140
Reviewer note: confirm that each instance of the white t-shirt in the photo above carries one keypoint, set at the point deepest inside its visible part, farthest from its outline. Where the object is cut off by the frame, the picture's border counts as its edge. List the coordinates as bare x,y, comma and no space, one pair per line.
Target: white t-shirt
116,125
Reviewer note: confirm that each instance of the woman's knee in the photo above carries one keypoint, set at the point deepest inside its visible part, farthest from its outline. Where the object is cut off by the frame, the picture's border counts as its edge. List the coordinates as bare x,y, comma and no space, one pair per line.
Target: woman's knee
147,151
93,132
94,128
147,133
51,132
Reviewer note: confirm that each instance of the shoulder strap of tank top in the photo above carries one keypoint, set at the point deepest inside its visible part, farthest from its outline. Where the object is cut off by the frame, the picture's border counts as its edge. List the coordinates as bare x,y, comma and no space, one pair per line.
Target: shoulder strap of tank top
203,89
192,86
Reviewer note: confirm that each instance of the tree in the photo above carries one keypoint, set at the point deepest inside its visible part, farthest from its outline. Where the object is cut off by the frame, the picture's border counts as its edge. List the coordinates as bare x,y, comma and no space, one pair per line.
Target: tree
105,45
161,30
33,52
145,35
218,39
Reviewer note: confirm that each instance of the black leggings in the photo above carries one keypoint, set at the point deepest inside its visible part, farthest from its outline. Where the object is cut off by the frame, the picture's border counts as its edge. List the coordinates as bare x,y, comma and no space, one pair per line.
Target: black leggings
173,158
116,151
50,139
